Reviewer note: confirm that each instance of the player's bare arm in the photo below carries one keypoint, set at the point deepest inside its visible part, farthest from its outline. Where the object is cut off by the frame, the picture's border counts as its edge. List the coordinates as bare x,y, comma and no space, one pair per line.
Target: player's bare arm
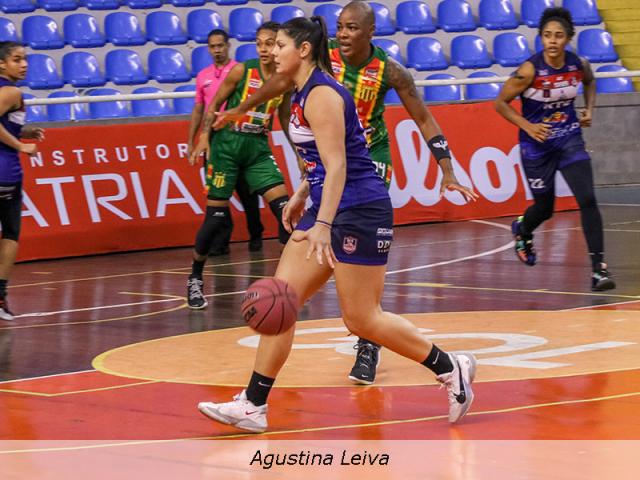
588,80
401,80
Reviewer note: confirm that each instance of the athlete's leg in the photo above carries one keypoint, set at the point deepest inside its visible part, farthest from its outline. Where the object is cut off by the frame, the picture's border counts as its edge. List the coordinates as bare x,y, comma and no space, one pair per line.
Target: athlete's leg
11,221
251,204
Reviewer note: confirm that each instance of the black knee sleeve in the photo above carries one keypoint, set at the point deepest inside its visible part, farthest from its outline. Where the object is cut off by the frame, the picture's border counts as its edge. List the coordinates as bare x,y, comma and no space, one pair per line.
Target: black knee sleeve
276,207
216,219
541,210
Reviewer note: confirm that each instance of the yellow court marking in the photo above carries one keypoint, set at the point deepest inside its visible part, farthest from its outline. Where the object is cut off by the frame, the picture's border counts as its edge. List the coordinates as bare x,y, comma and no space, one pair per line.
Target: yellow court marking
74,392
104,320
131,274
329,428
516,290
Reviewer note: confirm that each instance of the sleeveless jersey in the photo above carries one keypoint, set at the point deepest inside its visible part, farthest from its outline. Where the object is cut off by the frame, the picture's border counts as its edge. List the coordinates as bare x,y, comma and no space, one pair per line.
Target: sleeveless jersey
550,99
368,85
362,184
12,121
259,120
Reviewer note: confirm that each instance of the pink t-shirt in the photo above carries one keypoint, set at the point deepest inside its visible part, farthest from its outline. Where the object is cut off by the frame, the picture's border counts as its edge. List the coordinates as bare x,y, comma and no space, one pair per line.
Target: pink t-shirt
209,80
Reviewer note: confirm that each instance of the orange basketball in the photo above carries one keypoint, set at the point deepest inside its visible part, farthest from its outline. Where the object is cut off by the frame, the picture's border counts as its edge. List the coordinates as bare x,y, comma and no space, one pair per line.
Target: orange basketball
270,306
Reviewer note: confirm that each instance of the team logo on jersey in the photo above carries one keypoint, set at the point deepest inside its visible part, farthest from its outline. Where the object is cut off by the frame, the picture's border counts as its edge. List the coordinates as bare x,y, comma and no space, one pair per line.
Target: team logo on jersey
572,68
254,83
310,166
336,67
297,116
368,93
556,117
371,72
218,180
349,244
543,73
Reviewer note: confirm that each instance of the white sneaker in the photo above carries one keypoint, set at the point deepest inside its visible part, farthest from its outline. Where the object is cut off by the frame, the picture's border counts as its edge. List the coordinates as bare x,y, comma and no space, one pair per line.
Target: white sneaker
458,383
5,313
240,413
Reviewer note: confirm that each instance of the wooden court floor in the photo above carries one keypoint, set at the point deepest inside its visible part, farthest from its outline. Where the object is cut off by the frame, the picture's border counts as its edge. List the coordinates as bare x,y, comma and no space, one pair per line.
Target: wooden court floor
104,348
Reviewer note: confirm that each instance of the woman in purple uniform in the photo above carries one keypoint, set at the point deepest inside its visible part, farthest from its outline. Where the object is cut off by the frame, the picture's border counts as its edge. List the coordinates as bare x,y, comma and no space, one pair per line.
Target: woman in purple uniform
346,233
13,67
551,137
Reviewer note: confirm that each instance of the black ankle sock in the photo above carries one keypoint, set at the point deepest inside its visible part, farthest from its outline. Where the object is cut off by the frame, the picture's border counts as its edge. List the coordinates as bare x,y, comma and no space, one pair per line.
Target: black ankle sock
259,388
3,287
596,260
196,268
438,361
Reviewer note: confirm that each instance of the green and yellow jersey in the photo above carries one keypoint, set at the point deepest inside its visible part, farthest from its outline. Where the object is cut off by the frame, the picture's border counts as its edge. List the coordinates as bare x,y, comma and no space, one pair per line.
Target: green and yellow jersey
260,119
368,85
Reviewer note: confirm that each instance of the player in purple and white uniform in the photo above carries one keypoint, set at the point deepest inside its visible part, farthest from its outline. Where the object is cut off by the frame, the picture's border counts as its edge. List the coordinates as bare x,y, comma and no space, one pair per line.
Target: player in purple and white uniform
551,138
346,233
13,67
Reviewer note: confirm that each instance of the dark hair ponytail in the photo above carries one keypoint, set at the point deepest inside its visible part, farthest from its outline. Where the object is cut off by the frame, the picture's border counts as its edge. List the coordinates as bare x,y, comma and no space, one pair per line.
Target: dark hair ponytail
314,31
560,15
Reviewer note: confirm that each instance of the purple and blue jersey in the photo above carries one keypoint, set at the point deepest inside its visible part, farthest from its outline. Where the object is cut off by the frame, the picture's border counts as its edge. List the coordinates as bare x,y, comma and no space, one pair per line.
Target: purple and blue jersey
550,99
362,185
12,121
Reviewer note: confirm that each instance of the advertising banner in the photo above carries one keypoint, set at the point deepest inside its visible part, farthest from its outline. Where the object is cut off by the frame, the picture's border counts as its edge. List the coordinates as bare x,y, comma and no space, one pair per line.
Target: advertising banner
97,189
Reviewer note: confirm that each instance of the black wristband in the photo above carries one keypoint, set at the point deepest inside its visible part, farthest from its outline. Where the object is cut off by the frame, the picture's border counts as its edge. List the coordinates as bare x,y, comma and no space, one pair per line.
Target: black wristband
326,224
439,147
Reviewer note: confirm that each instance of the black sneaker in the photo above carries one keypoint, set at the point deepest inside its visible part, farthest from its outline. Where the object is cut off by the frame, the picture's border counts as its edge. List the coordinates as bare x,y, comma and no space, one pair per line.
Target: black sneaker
255,244
367,360
195,297
601,279
524,244
5,313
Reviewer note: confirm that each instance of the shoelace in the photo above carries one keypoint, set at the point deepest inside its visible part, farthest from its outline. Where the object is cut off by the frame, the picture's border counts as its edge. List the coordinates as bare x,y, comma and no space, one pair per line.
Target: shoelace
448,384
365,351
194,289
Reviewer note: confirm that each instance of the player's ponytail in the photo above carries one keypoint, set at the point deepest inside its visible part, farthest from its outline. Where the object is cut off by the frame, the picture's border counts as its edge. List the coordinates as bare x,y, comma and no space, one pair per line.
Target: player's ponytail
314,31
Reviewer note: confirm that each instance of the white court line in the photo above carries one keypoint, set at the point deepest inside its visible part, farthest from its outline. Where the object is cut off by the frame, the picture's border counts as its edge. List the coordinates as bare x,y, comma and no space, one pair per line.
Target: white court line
45,376
619,204
462,259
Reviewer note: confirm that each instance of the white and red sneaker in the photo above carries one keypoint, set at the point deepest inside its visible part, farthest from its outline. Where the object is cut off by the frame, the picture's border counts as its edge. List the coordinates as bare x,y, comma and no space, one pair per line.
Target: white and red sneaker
458,383
240,413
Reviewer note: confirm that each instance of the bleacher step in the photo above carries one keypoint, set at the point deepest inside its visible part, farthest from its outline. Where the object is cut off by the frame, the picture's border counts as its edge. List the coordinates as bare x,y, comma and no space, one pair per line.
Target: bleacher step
610,4
620,14
623,26
626,38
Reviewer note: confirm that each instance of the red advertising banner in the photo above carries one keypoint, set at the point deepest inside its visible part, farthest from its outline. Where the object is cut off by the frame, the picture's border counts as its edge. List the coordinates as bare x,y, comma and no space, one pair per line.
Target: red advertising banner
98,189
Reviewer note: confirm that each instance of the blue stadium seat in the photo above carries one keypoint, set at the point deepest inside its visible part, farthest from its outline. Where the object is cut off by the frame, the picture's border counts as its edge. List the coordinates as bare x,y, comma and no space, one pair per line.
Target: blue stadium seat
188,3
531,11
455,16
384,23
330,12
114,109
613,85
243,23
200,58
596,45
124,67
470,51
41,33
81,69
17,6
483,91
442,93
42,72
65,112
166,65
230,2
285,12
200,22
425,53
36,113
150,108
82,31
392,98
414,16
275,1
391,47
510,49
8,31
165,28
143,3
183,106
583,12
497,15
58,5
102,4
123,28
246,52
